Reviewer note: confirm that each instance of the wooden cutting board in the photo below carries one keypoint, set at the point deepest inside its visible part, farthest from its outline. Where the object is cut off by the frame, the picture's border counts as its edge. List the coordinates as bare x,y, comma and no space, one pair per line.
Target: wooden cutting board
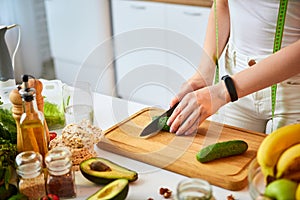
178,153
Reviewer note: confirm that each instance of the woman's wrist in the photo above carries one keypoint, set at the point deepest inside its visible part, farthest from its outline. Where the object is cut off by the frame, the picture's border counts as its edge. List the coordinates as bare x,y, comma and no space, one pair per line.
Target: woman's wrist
224,94
230,86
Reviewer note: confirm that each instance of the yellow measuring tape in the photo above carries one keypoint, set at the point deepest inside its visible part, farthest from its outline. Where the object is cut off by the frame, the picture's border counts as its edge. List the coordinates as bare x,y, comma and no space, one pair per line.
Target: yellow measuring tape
217,43
277,43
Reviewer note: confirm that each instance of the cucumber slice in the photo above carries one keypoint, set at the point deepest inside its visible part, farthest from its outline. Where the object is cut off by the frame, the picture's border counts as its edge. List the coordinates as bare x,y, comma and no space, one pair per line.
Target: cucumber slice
162,123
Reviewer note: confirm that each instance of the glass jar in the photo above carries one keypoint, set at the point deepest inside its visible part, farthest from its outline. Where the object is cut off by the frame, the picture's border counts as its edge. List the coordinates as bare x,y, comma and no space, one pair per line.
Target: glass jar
31,177
194,189
60,178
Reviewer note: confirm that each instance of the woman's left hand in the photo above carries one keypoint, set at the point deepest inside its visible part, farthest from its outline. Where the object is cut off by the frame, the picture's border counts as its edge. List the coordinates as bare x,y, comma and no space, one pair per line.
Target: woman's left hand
195,107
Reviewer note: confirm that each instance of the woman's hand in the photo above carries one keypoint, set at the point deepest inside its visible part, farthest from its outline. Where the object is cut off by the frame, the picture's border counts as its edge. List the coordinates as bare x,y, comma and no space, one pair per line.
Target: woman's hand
195,107
194,83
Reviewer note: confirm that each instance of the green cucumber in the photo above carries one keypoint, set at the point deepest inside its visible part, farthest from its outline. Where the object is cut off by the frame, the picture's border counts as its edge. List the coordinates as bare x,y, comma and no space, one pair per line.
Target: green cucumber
162,123
221,150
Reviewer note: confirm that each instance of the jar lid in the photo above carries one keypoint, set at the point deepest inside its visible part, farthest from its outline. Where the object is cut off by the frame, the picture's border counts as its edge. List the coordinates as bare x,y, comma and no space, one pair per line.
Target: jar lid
58,160
29,164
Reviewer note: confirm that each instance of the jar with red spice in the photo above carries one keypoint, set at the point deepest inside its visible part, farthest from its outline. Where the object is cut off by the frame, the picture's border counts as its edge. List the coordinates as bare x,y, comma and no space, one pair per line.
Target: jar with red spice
60,178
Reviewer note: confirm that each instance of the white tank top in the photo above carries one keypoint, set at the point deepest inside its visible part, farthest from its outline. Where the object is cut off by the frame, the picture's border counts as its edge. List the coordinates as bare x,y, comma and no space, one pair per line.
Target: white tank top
253,25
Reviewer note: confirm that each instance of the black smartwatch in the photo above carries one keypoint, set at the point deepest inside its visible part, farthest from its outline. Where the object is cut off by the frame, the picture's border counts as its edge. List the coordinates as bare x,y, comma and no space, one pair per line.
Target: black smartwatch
230,87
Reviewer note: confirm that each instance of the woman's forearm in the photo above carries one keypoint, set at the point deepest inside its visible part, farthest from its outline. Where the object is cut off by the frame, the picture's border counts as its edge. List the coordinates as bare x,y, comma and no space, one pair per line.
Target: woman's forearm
206,69
274,69
223,29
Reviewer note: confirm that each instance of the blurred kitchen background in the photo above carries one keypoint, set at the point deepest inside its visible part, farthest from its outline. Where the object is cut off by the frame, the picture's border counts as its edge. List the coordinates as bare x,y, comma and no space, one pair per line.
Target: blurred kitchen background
59,36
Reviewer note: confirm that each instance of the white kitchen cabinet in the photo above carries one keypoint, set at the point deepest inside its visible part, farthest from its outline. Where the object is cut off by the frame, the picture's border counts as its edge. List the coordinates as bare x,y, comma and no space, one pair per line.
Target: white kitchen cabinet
138,56
151,43
77,30
188,24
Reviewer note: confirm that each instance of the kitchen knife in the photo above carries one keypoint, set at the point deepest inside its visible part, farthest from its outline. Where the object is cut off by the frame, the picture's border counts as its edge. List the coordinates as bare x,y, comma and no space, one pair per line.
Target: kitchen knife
153,128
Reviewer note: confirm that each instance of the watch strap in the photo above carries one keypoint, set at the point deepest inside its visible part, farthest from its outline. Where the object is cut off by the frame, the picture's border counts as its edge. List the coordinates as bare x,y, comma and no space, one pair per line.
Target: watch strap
230,87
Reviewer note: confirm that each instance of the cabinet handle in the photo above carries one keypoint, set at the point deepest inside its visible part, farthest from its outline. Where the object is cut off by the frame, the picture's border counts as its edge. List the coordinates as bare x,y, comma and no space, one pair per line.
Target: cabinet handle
192,13
136,7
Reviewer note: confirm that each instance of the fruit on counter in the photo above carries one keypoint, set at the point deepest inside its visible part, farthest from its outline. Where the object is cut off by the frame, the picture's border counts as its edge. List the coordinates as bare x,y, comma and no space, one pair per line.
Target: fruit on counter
274,145
288,165
298,192
52,135
221,150
116,190
281,189
50,197
103,171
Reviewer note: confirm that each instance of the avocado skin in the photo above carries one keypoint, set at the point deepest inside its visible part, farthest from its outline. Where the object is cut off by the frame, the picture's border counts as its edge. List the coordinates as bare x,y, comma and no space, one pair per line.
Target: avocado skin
105,177
118,193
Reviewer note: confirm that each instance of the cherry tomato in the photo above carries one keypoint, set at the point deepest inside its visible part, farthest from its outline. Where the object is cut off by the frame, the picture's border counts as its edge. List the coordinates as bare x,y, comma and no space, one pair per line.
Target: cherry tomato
50,197
52,135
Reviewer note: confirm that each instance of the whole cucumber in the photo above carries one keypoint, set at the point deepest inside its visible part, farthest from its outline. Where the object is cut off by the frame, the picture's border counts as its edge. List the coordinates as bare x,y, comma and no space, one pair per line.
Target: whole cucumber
221,150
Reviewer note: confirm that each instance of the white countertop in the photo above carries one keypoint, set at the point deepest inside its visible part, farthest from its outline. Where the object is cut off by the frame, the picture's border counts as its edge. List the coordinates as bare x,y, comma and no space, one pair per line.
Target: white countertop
109,111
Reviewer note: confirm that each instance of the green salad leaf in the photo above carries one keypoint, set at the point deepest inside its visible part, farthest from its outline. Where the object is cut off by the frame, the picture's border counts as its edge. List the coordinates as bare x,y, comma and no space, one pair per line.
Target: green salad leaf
54,116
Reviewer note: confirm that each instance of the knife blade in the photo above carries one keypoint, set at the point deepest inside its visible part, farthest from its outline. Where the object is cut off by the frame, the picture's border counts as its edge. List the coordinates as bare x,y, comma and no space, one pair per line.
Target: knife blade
153,128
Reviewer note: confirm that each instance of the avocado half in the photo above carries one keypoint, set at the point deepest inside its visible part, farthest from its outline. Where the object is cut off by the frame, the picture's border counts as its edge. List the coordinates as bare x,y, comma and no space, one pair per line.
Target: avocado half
116,190
102,171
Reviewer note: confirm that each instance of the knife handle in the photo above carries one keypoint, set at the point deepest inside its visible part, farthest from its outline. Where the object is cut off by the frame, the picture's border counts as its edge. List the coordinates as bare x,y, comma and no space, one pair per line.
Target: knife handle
170,111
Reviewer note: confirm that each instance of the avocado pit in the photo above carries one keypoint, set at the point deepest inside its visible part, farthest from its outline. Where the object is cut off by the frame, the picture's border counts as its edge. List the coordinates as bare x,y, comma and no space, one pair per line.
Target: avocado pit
99,166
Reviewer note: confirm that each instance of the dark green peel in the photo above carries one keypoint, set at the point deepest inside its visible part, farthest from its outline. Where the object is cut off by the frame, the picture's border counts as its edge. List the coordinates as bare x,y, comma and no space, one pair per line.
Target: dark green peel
221,150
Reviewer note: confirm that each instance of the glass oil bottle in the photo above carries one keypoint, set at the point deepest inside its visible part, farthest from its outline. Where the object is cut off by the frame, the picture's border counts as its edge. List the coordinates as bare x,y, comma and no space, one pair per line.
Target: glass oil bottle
33,133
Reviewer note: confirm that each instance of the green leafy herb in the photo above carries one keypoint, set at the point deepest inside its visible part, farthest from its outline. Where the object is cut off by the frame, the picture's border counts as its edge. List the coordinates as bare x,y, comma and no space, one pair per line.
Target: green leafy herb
8,145
8,128
8,153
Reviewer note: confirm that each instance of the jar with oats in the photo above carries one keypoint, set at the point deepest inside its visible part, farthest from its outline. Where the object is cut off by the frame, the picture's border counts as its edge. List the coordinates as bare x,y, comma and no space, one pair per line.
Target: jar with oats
60,178
31,180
